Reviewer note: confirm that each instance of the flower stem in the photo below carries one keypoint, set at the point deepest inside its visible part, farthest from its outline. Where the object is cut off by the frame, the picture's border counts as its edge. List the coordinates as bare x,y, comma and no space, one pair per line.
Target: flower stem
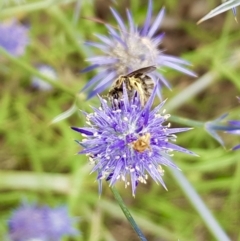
35,182
203,82
186,121
191,91
199,206
128,214
71,32
30,7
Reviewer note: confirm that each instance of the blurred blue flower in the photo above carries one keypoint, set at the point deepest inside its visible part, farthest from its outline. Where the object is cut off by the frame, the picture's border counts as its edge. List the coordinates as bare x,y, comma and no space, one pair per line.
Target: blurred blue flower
212,127
31,222
125,141
129,49
236,125
231,127
14,37
42,84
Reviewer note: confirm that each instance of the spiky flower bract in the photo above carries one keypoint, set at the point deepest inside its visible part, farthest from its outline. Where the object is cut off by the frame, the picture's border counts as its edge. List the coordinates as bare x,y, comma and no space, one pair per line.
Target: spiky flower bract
234,9
127,142
14,37
41,84
129,49
231,127
225,6
212,127
236,125
32,222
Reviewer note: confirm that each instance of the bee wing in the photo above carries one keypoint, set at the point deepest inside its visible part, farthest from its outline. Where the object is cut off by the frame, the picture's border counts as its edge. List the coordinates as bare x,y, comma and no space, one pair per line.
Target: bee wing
144,70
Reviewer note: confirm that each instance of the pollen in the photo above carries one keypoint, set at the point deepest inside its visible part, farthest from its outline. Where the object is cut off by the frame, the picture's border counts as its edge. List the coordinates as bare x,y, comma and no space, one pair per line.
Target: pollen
142,143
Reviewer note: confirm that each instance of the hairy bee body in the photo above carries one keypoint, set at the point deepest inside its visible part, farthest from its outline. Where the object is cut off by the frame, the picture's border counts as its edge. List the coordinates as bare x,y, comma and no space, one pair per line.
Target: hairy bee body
134,81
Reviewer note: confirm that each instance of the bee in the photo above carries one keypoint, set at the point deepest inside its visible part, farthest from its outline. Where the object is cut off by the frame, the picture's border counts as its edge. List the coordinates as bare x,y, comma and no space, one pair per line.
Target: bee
134,81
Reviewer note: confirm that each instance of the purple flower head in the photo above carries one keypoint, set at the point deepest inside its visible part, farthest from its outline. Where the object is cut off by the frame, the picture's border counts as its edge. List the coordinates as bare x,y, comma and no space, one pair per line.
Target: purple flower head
127,142
128,49
41,84
14,37
30,222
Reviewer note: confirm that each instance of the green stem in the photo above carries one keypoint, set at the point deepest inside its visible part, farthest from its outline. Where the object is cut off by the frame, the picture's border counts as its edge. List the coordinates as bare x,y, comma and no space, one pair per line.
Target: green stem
28,68
201,84
127,214
29,7
15,180
199,206
77,11
73,35
191,91
185,121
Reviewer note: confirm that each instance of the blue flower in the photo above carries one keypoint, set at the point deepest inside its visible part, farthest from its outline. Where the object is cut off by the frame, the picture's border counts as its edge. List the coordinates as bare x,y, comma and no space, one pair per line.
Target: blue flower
236,125
31,222
212,127
127,142
129,49
41,84
231,127
14,37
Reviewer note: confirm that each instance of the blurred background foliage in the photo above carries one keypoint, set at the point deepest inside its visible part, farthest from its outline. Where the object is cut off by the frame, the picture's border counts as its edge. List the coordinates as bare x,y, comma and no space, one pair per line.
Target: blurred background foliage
37,157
